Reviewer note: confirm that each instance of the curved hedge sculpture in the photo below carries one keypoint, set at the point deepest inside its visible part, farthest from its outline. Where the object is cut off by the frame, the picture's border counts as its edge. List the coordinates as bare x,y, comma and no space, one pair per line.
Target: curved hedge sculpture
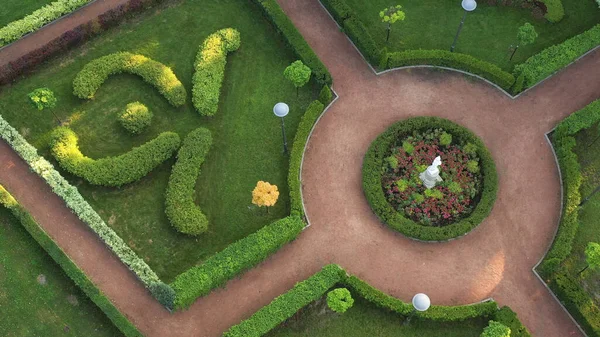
111,171
181,210
210,69
372,181
93,74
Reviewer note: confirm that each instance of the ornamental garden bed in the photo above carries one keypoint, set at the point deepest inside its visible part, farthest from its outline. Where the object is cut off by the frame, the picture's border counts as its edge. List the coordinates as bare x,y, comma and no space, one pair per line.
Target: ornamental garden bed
455,205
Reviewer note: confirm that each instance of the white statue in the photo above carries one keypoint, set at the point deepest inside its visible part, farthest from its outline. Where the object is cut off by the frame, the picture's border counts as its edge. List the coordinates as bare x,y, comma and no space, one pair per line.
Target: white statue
431,175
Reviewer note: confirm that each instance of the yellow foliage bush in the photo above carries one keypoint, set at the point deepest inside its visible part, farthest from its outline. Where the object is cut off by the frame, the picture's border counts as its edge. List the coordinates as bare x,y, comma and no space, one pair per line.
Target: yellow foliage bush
265,194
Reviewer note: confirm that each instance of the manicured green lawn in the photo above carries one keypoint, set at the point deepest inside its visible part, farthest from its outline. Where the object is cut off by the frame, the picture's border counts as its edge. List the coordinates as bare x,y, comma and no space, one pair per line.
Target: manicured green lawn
247,144
365,319
588,154
58,308
16,9
488,31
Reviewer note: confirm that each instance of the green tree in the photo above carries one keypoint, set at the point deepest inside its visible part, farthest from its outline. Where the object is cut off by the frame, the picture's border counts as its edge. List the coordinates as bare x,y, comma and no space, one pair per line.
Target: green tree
43,98
495,329
526,35
391,15
298,74
592,256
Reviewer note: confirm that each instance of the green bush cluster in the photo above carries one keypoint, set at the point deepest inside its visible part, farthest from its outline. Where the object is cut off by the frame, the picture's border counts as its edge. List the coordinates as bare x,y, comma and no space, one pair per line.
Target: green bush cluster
310,117
496,329
325,95
36,20
339,300
509,318
554,58
444,58
295,40
93,74
287,304
77,203
577,301
554,10
372,180
70,268
180,208
234,259
136,118
111,171
209,69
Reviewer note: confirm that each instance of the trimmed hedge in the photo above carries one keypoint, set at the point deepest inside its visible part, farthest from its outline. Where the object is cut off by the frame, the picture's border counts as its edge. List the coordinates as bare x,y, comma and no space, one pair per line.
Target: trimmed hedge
295,40
210,69
180,208
36,20
372,181
70,268
135,118
93,74
554,10
310,117
111,171
554,58
509,318
359,34
77,203
444,58
287,304
234,259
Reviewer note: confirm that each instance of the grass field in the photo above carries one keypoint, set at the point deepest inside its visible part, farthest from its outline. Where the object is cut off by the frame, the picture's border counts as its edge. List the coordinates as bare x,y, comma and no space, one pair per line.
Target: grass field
365,319
16,9
58,308
247,144
588,153
488,31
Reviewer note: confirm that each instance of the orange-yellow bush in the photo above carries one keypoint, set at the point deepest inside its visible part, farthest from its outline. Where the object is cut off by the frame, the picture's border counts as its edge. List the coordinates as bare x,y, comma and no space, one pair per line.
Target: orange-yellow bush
265,194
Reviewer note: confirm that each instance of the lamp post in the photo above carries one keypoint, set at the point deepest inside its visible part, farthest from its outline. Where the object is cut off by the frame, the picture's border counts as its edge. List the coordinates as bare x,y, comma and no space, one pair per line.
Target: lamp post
281,110
420,302
468,6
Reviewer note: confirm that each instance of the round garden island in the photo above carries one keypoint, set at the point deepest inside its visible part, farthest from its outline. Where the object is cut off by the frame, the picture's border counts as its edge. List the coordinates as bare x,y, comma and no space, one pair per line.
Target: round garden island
399,167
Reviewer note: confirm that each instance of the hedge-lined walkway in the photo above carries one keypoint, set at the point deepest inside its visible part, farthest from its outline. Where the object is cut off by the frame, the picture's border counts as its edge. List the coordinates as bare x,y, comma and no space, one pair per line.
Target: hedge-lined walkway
495,260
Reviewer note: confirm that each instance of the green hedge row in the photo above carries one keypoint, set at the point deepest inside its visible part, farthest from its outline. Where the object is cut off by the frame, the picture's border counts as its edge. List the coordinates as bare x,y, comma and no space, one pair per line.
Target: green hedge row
310,117
180,208
553,59
509,318
434,313
77,203
36,20
444,58
93,74
287,304
111,171
577,301
70,268
233,260
295,40
209,69
372,180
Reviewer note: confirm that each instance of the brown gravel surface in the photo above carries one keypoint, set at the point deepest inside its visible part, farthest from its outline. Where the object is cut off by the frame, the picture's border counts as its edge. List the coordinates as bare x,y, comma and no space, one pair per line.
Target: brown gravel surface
495,260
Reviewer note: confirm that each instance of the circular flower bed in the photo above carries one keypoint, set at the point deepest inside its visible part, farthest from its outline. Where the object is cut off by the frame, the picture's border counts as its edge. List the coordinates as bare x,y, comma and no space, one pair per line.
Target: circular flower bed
455,205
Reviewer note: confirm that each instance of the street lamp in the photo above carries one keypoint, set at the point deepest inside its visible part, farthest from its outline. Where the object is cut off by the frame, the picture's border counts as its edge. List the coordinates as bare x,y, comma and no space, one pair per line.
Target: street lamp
468,6
420,302
281,110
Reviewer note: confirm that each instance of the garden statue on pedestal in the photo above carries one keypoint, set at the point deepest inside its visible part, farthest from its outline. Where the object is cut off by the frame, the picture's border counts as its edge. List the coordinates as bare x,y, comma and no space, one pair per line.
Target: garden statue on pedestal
431,175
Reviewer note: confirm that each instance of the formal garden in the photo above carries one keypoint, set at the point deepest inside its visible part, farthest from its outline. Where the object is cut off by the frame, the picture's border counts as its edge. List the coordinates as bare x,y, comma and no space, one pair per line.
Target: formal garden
158,128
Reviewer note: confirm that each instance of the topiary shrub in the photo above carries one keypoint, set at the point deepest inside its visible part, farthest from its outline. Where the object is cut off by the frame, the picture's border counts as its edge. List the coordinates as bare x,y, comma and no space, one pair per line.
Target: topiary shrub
495,329
111,171
339,300
93,74
180,208
554,10
210,69
136,118
325,96
164,294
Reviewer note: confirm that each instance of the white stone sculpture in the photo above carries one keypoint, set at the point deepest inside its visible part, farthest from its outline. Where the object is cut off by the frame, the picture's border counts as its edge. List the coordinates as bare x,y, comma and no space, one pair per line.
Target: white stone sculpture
431,175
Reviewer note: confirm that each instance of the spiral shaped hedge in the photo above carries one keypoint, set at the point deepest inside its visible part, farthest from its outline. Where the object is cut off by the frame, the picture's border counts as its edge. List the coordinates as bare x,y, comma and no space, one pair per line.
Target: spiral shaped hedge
374,193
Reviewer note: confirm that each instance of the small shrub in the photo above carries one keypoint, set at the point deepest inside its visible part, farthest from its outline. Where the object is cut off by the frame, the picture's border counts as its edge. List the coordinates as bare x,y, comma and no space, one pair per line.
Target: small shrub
445,139
454,187
339,300
436,194
325,96
42,98
408,147
164,294
470,148
180,208
473,166
418,198
136,118
210,69
392,162
93,74
495,329
554,10
402,185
